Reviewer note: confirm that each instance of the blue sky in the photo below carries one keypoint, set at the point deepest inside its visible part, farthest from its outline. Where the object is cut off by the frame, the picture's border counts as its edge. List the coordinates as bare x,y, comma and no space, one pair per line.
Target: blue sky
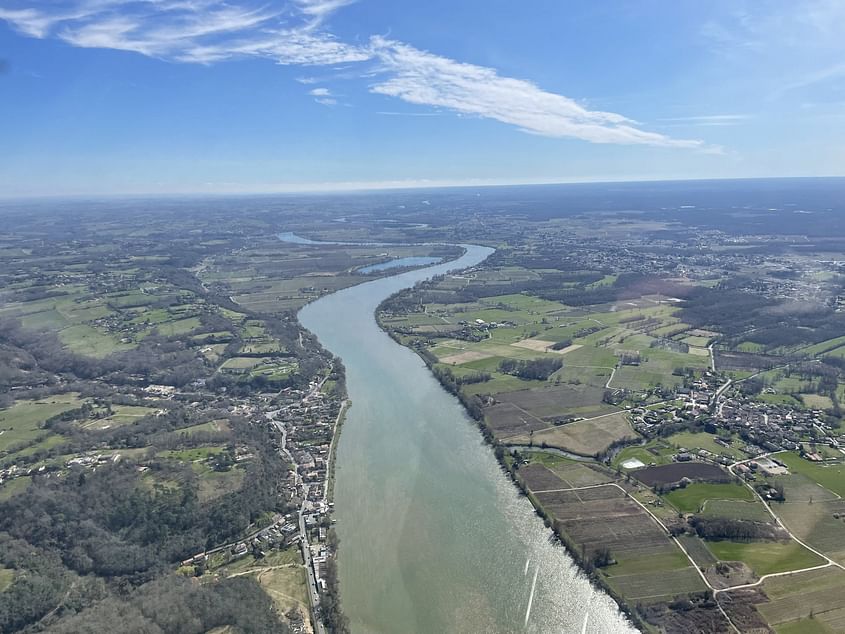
183,96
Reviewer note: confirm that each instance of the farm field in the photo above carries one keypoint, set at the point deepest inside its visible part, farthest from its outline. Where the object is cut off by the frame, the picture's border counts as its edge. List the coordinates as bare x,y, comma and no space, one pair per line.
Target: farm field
14,487
586,437
828,475
214,484
21,422
739,509
674,472
766,557
820,524
691,498
122,414
807,602
650,566
7,575
89,341
656,452
702,440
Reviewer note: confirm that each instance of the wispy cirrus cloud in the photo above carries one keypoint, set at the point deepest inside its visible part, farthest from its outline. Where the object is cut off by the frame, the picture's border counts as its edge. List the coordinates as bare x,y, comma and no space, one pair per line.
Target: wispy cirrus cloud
422,78
323,96
707,120
210,31
194,31
802,39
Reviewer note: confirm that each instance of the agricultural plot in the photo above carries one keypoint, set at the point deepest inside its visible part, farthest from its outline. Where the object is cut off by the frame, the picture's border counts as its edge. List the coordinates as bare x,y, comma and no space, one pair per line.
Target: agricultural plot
766,557
122,414
215,484
604,517
463,357
586,437
806,602
649,565
816,401
22,421
575,474
697,549
823,347
828,475
14,487
287,586
214,426
694,441
662,475
538,478
660,585
693,497
179,326
7,576
820,524
752,511
240,364
653,453
559,401
89,341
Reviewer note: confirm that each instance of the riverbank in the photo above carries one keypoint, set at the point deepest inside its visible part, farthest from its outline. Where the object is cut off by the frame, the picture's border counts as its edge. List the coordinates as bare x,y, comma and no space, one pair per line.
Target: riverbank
413,478
505,457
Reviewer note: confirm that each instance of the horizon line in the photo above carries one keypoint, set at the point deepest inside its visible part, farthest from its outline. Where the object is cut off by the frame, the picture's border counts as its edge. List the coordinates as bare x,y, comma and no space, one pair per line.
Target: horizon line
351,187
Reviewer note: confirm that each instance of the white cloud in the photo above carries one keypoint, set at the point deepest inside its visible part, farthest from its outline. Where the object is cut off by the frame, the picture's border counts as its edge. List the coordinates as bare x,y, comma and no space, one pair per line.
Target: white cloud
423,78
708,120
195,31
321,8
790,45
209,31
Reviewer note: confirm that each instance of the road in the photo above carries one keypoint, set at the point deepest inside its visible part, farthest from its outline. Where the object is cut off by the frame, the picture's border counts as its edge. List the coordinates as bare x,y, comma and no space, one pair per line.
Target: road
830,562
313,595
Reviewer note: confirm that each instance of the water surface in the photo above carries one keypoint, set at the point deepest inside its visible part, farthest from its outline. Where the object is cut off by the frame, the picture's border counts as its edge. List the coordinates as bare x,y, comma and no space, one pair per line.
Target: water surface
434,537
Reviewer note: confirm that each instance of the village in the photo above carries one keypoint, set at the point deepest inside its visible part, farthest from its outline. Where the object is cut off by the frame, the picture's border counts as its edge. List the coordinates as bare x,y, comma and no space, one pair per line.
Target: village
755,428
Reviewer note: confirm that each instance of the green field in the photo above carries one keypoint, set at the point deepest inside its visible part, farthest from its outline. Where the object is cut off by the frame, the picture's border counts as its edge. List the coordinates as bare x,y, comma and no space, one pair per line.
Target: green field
672,560
6,577
179,326
828,475
693,441
22,422
803,626
644,454
806,602
89,341
122,414
220,425
13,487
213,484
766,557
191,455
690,498
737,509
586,437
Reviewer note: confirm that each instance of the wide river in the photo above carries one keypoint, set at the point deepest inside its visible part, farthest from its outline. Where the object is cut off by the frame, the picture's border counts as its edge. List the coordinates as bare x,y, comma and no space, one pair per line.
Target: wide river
433,535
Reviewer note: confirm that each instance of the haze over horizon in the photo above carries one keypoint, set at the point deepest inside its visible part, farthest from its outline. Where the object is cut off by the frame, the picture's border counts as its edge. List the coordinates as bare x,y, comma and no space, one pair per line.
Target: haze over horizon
203,96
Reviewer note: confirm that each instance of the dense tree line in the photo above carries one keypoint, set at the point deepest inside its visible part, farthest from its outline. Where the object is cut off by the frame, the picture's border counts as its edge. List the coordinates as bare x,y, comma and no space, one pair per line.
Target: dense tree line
175,604
719,528
537,369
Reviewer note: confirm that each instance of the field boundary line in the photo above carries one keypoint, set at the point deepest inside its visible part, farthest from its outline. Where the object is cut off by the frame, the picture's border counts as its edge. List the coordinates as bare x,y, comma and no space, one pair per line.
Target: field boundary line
830,562
774,574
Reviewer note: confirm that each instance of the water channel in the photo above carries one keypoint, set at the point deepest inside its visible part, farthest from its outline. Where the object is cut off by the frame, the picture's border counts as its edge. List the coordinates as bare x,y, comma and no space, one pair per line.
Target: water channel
433,535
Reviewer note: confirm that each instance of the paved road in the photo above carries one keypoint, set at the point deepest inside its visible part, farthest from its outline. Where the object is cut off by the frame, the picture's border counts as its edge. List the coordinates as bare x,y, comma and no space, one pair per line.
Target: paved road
313,595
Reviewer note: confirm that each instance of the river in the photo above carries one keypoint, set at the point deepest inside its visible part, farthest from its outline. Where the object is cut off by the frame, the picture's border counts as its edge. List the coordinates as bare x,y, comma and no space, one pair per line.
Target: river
433,536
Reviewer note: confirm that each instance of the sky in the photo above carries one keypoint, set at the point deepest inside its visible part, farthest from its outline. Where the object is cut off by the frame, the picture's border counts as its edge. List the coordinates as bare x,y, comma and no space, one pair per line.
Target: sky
242,96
